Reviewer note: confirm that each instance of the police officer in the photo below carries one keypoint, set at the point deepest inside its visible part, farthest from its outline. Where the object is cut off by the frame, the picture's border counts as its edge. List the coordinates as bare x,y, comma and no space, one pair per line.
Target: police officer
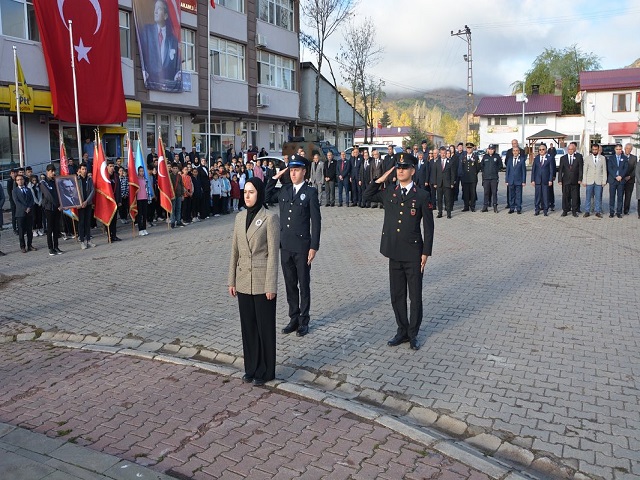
490,165
299,239
405,207
469,168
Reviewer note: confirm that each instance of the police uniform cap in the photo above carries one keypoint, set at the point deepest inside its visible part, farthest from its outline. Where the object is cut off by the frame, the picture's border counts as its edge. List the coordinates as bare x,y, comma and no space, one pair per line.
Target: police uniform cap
470,145
442,148
405,159
491,146
297,161
423,141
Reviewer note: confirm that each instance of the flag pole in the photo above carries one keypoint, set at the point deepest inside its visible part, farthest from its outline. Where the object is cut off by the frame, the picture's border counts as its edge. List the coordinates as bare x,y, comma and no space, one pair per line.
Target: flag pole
208,154
15,66
75,89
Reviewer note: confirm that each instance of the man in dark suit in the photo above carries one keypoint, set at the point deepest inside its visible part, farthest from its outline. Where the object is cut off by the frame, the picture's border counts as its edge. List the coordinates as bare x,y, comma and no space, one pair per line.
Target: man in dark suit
375,171
569,179
629,178
617,167
356,181
405,208
468,171
542,174
330,179
343,171
443,180
423,171
11,183
516,179
161,67
24,202
300,224
552,196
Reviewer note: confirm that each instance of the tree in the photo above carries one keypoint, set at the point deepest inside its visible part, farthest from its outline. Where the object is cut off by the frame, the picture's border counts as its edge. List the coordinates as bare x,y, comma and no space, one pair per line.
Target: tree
358,55
324,17
385,119
559,70
415,136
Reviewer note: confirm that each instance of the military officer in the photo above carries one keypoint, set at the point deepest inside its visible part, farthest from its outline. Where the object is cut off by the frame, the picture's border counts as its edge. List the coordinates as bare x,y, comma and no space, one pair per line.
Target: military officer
490,165
300,223
405,208
470,166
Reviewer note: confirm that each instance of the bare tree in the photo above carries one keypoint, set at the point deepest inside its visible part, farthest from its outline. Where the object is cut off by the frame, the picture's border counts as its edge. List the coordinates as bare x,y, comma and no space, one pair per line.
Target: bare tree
324,17
358,55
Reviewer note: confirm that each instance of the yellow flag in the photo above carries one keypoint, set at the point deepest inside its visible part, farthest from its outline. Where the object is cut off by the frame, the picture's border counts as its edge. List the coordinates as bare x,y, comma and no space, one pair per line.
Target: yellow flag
26,92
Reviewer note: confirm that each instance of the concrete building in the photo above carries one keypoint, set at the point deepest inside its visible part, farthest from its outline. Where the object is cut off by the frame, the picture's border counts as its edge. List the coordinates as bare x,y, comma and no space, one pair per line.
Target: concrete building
327,115
254,75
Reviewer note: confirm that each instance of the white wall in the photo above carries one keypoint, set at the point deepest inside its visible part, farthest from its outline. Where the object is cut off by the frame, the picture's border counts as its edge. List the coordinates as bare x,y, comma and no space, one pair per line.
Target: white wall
229,23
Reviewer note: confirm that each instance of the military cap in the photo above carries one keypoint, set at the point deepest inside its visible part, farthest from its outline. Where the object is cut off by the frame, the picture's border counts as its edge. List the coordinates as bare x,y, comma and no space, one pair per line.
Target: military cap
404,159
492,146
470,145
297,161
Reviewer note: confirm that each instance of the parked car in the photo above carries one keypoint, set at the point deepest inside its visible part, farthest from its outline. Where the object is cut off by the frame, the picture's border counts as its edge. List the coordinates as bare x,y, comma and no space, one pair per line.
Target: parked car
608,149
310,149
559,153
382,148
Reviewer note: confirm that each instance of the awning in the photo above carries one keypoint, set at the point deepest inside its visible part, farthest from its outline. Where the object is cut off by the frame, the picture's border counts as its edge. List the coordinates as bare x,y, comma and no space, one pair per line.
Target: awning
623,128
42,102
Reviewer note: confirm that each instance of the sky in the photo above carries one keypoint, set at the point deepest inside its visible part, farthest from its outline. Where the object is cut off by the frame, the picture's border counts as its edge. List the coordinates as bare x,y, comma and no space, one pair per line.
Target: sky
506,37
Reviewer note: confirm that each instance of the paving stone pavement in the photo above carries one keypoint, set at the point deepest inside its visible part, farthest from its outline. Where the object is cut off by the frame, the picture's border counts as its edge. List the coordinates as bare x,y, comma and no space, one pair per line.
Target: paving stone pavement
183,422
529,335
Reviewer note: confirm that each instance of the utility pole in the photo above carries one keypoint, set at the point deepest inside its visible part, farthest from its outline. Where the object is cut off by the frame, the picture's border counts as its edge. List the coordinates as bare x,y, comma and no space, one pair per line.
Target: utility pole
465,34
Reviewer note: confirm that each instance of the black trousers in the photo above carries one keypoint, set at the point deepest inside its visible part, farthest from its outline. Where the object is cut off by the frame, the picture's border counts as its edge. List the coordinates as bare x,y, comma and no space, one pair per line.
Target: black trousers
552,196
186,209
53,227
570,195
84,223
628,191
469,194
258,327
205,204
356,192
445,193
403,275
25,227
297,281
490,192
141,218
113,227
14,223
123,209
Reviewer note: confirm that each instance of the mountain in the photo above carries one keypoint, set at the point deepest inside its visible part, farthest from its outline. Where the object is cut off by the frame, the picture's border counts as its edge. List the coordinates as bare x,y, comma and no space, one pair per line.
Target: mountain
635,64
451,100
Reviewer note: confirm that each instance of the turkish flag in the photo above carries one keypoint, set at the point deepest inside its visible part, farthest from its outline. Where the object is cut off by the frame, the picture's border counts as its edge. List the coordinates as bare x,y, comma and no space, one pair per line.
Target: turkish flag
106,205
134,186
164,180
96,54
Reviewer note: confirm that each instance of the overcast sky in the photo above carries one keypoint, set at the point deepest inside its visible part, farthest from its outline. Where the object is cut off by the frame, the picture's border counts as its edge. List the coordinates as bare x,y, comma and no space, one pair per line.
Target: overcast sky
507,35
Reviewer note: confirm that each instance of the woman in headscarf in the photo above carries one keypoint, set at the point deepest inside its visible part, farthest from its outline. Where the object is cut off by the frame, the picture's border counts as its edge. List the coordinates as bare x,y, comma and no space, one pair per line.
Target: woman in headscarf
253,278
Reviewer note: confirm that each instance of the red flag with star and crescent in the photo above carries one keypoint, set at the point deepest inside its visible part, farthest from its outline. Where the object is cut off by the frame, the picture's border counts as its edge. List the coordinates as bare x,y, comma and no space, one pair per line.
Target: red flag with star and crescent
164,180
106,205
96,52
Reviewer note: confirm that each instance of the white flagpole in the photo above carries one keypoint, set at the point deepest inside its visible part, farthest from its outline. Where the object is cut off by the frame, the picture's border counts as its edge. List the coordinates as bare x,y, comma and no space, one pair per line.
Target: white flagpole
15,67
208,154
75,89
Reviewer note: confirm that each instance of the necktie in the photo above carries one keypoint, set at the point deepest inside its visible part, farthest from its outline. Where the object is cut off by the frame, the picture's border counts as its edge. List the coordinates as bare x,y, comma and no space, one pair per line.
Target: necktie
541,161
570,160
160,42
342,167
444,164
404,193
514,161
24,190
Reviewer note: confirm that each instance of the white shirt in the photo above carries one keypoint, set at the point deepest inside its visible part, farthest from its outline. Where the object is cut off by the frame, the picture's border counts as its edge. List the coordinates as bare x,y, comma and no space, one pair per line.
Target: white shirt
296,188
408,187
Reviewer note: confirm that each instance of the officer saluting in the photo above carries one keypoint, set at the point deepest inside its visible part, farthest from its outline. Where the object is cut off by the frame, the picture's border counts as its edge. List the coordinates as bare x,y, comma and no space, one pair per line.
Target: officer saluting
299,239
405,207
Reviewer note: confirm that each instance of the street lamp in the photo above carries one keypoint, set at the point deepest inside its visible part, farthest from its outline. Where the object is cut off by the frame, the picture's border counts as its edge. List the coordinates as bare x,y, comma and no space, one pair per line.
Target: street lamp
522,97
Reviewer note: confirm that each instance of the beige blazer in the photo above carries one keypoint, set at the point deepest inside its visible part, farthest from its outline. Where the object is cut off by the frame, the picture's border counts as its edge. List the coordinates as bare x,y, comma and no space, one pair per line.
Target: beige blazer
253,268
592,173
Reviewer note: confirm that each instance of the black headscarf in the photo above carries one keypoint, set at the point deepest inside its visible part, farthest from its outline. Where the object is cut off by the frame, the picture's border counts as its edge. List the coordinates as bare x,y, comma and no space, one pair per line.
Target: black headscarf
252,211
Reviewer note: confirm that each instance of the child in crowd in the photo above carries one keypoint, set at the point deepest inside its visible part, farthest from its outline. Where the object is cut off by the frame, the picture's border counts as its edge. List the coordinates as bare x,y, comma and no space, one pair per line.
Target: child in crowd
226,193
216,194
235,192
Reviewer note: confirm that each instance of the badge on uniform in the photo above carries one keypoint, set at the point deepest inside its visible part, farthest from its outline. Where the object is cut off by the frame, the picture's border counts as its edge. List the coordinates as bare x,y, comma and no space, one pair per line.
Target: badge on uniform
303,196
258,222
413,212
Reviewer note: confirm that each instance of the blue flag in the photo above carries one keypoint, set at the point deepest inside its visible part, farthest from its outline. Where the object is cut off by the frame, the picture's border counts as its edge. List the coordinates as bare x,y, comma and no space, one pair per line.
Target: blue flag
140,163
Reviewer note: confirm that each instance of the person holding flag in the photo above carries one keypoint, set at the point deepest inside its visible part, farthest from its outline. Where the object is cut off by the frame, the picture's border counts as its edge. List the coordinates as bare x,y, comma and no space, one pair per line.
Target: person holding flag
106,199
133,183
142,199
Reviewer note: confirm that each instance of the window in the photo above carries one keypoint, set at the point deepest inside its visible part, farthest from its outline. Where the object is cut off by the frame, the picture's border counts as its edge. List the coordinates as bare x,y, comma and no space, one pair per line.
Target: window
164,130
280,137
133,127
637,101
150,120
177,131
533,120
125,34
237,5
188,49
276,71
277,12
498,120
621,102
348,139
272,137
227,58
19,19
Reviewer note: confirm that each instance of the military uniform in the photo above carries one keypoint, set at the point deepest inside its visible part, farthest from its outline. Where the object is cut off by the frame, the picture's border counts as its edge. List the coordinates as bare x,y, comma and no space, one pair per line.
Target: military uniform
490,165
300,224
403,244
469,168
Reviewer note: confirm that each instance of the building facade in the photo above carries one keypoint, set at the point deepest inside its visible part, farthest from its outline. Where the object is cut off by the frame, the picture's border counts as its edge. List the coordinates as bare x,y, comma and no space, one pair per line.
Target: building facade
396,136
249,55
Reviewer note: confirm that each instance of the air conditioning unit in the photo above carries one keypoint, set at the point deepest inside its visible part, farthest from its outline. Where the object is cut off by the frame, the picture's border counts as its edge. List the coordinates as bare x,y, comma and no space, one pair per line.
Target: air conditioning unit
261,41
263,100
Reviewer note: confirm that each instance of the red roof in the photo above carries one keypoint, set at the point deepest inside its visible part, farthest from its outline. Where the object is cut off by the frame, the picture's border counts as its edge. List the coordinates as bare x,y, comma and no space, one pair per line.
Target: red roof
387,132
490,106
610,79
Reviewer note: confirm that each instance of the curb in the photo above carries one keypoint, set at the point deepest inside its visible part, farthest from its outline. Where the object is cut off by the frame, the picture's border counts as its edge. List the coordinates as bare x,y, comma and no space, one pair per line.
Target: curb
497,457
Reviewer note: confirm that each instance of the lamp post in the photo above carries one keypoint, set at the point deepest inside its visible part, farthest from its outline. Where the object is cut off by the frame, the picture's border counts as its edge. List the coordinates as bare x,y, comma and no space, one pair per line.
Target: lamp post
522,97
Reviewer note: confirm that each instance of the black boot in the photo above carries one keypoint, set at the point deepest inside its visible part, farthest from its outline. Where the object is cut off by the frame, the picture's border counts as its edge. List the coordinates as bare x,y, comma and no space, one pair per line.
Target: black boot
495,209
